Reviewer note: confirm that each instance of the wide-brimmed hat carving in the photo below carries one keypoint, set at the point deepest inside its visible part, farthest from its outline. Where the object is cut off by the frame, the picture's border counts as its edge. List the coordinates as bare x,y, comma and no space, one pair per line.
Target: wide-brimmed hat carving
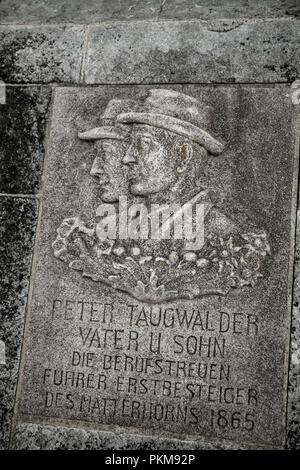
178,113
108,130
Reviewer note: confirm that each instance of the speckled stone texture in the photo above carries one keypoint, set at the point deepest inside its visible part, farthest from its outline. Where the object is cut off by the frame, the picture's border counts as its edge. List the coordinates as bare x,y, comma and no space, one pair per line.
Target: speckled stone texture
293,420
76,11
206,9
194,52
18,219
29,436
23,122
94,11
41,54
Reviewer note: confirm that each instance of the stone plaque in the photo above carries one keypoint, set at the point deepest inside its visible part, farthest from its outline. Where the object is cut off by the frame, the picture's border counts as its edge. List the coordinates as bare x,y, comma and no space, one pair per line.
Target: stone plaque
161,294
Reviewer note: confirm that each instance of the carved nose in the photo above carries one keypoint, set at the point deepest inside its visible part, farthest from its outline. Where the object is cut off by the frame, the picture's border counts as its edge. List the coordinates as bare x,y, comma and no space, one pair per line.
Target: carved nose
96,168
130,156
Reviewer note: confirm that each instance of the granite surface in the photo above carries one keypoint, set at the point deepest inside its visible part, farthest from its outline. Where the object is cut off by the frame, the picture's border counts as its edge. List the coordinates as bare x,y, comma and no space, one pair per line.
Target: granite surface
194,52
23,122
29,436
73,367
74,11
208,9
18,219
41,54
293,416
95,11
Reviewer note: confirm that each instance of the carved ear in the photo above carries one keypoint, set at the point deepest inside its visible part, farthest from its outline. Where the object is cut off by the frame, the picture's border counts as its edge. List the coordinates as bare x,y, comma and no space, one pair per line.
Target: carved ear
185,152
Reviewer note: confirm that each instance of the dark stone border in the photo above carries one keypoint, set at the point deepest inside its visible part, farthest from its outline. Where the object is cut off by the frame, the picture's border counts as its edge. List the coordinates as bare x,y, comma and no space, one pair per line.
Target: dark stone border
23,122
293,410
18,218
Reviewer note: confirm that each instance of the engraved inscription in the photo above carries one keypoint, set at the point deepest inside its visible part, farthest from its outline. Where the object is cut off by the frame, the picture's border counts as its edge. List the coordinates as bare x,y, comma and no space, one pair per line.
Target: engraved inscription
164,365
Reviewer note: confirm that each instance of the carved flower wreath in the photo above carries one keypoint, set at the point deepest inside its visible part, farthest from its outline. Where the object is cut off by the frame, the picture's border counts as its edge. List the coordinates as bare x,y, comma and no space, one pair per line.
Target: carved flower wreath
220,265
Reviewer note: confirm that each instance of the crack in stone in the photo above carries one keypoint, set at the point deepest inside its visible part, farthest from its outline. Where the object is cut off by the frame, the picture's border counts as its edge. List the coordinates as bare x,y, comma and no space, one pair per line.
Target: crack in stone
162,7
224,26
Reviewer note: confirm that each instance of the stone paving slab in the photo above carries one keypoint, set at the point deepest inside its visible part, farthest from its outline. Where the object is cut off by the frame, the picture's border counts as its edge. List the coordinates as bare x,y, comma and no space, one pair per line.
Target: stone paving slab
194,52
76,11
23,121
95,11
252,181
41,54
18,219
208,9
29,436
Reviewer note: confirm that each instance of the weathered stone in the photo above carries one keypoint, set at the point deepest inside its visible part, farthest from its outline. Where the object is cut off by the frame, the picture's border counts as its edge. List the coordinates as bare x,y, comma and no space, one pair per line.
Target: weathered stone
293,415
23,125
18,219
194,52
74,11
30,436
109,345
208,9
41,54
95,11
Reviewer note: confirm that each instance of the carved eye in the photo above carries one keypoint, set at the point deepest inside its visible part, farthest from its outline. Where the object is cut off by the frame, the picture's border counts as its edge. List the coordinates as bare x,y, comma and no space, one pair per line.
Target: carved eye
145,142
107,147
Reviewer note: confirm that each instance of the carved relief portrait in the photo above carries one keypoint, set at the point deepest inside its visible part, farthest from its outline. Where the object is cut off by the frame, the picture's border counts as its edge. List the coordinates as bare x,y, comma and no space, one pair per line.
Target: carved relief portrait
158,234
111,144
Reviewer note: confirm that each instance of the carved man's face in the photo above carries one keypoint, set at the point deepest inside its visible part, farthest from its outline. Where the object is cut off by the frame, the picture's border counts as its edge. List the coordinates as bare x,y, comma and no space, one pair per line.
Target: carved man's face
152,161
108,168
